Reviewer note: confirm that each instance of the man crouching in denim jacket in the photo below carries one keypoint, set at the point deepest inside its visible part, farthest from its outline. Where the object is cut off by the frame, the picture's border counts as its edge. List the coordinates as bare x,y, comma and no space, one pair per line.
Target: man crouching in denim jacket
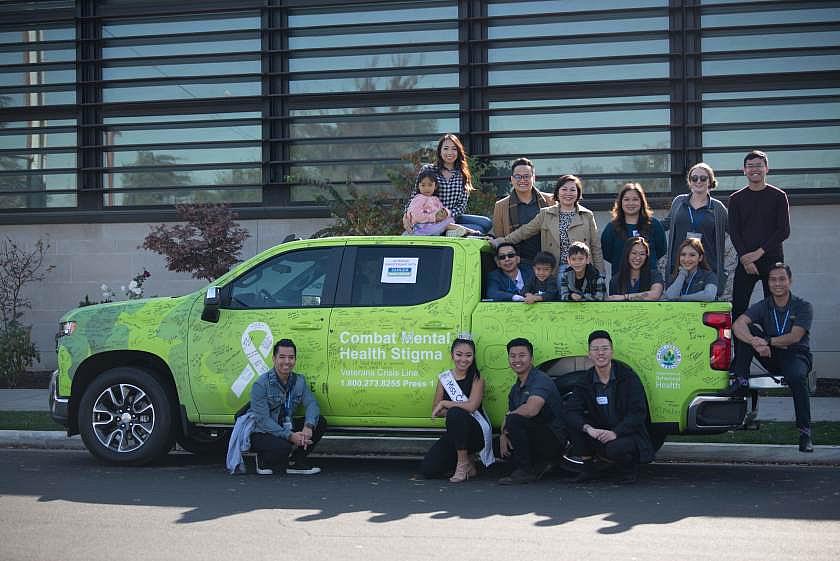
280,442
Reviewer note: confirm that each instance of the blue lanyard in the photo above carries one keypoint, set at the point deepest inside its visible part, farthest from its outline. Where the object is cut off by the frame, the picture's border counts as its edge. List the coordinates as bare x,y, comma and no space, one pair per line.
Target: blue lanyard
780,330
633,285
687,284
691,213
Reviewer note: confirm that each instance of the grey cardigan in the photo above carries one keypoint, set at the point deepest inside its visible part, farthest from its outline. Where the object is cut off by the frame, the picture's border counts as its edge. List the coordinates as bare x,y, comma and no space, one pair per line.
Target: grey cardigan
721,220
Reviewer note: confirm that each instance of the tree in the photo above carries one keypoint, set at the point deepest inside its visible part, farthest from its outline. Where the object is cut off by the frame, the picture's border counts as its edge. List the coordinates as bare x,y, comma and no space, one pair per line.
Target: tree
150,179
207,245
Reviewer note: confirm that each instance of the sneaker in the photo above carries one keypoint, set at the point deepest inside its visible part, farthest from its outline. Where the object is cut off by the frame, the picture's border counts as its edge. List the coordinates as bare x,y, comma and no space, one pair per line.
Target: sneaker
805,443
261,470
457,231
518,477
302,467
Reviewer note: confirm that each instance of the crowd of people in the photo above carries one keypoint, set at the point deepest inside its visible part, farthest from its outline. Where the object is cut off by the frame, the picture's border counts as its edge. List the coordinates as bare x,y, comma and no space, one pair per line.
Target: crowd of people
601,425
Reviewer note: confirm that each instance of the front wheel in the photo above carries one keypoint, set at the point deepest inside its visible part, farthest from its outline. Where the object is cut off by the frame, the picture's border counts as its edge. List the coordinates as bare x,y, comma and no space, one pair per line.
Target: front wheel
125,417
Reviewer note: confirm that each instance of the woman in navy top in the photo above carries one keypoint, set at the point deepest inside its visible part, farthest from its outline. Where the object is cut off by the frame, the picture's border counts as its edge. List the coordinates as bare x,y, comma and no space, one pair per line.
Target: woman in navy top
635,279
631,216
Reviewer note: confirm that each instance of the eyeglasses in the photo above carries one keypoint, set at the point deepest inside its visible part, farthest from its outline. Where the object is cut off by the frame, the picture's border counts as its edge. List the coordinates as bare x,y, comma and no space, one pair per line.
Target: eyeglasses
700,178
520,177
503,256
601,349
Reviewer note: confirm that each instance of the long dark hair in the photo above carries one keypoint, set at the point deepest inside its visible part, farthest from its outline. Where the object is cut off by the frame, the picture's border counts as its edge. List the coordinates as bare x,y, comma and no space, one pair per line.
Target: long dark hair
472,372
460,161
431,175
619,221
624,269
697,246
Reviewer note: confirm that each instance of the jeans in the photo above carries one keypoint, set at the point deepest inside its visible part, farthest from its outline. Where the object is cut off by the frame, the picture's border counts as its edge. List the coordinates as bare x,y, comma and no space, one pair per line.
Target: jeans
462,433
476,222
793,365
275,451
532,441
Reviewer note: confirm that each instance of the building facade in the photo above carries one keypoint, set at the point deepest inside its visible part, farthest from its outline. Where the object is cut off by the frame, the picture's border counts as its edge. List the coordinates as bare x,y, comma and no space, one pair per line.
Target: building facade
112,111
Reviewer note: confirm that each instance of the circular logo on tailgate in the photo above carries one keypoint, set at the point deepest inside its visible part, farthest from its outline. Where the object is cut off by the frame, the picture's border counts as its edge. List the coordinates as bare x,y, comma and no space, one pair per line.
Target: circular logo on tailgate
668,356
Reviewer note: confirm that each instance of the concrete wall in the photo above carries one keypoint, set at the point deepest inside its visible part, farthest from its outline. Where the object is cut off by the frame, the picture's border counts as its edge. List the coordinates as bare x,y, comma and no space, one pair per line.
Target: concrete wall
87,255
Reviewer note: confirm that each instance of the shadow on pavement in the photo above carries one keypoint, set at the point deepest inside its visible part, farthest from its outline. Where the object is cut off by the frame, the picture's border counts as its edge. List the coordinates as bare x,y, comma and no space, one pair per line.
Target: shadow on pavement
389,490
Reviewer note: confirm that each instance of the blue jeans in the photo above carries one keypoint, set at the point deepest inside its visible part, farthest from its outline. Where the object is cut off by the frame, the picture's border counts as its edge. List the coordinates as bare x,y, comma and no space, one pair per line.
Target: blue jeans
794,366
476,222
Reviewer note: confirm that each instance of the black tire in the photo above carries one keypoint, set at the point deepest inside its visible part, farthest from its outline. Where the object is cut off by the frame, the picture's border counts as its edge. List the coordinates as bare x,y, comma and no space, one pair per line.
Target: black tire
125,417
202,443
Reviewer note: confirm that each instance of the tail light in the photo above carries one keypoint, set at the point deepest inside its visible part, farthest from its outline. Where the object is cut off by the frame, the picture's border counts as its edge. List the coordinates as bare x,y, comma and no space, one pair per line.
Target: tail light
720,351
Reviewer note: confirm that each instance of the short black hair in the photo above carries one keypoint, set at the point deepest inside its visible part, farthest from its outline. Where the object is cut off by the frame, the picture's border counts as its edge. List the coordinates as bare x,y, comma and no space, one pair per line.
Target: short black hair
521,342
545,258
599,334
579,247
784,266
504,244
284,343
521,162
756,155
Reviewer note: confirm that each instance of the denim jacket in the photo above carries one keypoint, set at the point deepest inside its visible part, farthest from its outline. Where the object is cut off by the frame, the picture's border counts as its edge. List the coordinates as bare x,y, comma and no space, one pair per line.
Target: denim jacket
268,403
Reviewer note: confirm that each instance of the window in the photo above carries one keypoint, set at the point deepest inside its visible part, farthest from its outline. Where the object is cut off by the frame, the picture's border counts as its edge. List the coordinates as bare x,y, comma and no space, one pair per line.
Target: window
304,278
433,275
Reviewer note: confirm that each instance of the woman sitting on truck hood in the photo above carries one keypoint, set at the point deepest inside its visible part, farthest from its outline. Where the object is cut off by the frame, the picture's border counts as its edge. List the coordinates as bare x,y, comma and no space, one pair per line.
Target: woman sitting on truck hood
458,397
564,222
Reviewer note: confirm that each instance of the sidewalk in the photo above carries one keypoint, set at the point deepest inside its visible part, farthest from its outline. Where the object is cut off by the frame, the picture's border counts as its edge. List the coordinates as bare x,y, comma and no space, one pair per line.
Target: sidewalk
770,409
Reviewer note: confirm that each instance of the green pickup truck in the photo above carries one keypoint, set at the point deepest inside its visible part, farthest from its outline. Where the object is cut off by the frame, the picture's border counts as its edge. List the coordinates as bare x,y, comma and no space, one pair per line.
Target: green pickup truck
373,319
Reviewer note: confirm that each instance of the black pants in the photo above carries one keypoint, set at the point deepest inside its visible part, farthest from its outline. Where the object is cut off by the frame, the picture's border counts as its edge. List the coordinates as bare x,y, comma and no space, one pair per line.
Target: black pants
623,450
794,366
274,451
462,433
744,283
532,441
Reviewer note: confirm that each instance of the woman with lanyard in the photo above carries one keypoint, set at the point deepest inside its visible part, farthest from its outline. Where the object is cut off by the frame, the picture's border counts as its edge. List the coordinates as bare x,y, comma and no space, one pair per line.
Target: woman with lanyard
458,397
454,184
693,281
559,225
635,279
699,215
631,216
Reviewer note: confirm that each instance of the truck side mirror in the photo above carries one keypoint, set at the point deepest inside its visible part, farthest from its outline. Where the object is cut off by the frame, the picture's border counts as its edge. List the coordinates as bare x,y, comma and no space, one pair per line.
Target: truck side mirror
212,300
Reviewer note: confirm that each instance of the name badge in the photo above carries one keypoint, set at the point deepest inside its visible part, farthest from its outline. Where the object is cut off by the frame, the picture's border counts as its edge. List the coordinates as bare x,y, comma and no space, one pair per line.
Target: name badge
695,235
602,400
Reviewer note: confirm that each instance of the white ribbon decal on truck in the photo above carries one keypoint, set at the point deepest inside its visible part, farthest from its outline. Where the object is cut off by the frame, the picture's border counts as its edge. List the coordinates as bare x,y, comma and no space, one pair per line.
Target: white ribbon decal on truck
256,356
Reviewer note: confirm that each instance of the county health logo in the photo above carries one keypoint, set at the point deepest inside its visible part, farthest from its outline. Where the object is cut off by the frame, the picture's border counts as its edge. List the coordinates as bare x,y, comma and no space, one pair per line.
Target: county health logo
669,356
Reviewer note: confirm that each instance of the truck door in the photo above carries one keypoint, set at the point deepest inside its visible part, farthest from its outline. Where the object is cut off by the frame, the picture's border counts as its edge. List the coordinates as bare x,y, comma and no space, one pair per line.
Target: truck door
397,312
289,295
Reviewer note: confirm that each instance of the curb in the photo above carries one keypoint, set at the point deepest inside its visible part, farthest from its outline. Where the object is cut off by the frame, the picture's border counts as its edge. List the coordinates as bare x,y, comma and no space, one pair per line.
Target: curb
412,447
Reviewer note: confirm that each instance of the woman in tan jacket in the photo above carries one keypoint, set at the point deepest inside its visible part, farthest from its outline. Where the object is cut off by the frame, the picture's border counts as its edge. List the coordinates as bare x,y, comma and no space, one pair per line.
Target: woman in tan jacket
561,224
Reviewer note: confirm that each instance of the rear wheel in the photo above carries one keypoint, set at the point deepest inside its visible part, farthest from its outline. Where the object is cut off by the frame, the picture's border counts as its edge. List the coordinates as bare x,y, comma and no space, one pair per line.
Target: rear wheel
125,417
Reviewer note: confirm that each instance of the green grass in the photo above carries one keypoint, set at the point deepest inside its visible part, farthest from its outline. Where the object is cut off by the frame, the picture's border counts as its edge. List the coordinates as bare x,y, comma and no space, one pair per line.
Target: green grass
769,433
28,420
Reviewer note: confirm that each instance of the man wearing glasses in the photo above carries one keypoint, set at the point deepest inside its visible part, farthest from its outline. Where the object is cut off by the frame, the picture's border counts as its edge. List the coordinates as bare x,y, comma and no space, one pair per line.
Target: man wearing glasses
606,416
520,207
507,282
758,224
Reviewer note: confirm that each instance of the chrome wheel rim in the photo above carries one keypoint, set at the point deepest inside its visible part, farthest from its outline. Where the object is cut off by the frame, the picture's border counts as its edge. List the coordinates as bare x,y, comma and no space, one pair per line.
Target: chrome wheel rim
123,418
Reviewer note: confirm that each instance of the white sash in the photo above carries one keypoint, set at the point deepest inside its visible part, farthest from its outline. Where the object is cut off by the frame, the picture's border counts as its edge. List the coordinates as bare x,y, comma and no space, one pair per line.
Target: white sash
447,380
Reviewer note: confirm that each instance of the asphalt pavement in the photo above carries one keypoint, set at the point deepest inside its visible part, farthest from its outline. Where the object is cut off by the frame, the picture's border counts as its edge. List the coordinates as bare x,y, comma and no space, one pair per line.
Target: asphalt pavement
770,409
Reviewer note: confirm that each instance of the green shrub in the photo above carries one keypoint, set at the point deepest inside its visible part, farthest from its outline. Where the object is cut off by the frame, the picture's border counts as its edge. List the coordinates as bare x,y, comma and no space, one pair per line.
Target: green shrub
17,352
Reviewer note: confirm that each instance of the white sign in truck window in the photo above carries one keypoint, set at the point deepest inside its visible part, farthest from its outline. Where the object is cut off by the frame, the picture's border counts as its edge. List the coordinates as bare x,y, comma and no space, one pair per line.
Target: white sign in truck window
399,270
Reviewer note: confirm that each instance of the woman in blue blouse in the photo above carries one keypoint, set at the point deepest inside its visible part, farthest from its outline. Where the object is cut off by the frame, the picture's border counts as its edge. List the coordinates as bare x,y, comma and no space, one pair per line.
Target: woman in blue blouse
631,216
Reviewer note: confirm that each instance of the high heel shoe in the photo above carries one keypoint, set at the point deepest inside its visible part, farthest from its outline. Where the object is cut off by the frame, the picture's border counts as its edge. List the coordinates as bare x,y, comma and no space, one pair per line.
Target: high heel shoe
462,473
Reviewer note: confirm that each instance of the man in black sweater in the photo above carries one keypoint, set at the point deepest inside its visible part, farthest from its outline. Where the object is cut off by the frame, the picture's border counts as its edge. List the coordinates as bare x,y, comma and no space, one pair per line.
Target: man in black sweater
759,222
606,416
